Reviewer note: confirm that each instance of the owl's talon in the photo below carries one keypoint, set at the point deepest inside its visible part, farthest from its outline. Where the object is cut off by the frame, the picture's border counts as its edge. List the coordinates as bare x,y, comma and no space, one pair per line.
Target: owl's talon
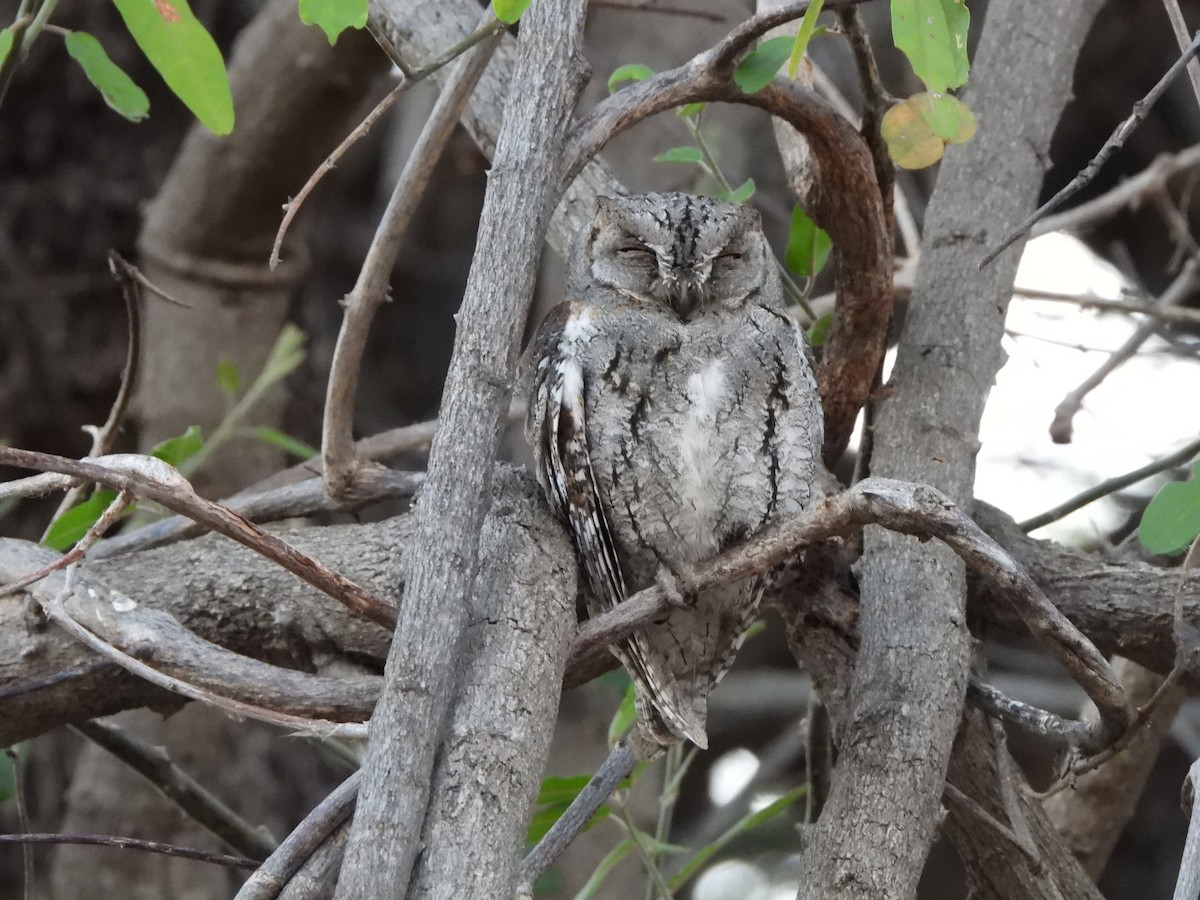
679,583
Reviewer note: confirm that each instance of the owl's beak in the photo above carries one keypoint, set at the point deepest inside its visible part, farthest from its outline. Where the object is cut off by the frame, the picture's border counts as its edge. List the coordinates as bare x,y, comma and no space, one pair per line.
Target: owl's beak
684,287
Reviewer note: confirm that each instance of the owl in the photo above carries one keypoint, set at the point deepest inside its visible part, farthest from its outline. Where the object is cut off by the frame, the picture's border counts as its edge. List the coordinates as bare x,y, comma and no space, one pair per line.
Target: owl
673,413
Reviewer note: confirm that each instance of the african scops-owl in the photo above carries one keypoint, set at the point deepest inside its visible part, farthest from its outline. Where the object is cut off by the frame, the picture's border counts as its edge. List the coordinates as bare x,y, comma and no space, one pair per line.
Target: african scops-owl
673,413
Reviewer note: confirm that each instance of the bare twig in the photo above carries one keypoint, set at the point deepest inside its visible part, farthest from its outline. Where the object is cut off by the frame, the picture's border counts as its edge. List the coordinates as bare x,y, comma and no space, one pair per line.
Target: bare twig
125,843
304,498
273,875
370,291
909,509
1118,138
1183,36
179,496
1111,485
103,437
1128,193
1185,282
18,783
200,804
1169,314
616,767
412,76
652,6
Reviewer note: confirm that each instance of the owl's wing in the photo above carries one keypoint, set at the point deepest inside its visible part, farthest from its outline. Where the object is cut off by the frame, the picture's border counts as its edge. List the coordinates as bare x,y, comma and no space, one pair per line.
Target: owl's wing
557,431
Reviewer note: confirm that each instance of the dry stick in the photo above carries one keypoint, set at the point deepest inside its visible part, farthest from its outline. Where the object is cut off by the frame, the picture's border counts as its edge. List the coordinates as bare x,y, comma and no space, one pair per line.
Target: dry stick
103,438
1118,138
126,843
1168,314
370,291
288,501
55,610
179,497
649,6
200,804
1062,427
1179,26
18,789
1111,485
1127,193
157,638
412,76
273,875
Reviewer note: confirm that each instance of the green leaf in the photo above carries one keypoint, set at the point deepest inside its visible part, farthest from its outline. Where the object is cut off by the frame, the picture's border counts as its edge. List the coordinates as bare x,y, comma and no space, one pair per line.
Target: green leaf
747,822
808,26
680,154
758,69
755,630
630,72
175,451
334,16
117,88
508,11
623,717
933,35
947,117
6,42
229,378
689,110
185,55
75,522
1172,520
808,246
818,332
286,443
743,193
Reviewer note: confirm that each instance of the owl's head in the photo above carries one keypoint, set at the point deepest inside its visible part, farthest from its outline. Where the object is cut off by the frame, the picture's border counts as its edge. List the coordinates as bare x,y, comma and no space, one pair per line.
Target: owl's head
685,252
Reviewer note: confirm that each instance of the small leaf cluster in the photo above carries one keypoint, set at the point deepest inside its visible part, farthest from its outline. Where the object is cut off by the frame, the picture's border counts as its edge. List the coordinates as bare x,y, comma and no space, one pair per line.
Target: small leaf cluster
933,35
556,795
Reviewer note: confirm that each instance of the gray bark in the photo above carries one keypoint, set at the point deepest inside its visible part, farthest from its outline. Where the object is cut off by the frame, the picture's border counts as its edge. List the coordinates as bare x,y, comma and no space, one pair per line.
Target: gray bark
906,697
411,717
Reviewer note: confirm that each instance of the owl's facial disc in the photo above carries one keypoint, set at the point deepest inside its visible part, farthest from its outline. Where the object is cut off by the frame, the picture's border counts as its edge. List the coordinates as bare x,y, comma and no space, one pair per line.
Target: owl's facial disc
686,253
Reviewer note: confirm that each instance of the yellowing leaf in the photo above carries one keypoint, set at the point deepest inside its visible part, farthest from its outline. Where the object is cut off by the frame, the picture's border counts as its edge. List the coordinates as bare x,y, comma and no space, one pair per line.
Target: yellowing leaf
185,55
910,141
6,42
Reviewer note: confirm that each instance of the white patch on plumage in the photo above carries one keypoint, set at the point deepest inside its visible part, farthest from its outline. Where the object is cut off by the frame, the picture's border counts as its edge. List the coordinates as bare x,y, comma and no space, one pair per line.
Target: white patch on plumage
698,461
578,327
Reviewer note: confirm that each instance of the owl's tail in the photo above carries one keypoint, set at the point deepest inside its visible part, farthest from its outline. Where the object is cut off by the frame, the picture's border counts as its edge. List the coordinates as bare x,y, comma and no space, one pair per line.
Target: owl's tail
669,710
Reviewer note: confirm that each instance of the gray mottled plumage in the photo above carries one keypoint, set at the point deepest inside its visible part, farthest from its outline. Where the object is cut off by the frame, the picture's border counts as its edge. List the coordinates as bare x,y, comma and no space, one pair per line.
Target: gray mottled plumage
674,412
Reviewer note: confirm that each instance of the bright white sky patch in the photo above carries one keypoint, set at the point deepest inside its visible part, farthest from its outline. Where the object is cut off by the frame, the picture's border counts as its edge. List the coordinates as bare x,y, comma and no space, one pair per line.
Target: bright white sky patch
1142,411
730,774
